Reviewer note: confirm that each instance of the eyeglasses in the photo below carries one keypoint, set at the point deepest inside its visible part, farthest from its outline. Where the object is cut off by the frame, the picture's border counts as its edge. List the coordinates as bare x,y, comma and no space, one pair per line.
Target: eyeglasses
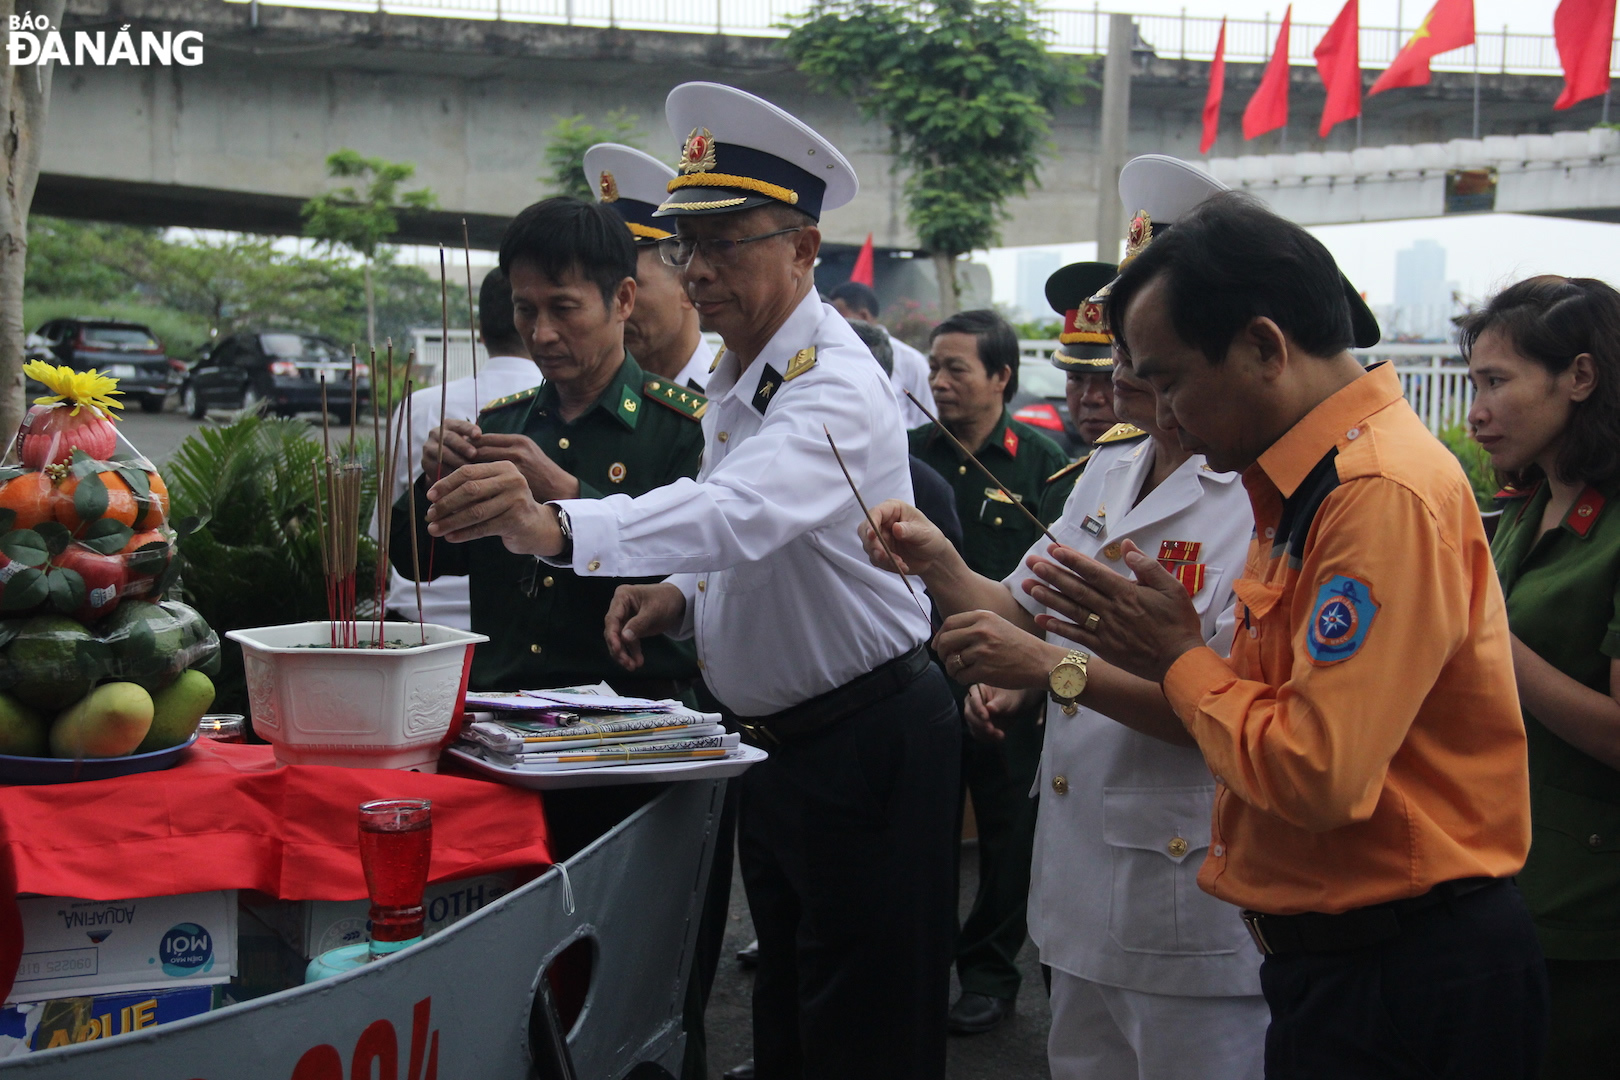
677,251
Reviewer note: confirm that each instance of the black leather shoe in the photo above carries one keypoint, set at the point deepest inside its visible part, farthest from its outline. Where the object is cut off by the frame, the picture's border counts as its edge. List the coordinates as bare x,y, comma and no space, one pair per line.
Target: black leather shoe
975,1014
745,1071
748,957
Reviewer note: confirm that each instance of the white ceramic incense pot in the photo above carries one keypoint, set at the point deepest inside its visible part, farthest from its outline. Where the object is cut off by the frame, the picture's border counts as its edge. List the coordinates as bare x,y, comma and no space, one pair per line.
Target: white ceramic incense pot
365,708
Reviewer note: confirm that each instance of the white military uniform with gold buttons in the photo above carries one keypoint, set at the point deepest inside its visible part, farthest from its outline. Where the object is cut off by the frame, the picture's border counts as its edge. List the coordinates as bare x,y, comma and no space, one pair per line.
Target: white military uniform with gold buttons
1124,818
780,595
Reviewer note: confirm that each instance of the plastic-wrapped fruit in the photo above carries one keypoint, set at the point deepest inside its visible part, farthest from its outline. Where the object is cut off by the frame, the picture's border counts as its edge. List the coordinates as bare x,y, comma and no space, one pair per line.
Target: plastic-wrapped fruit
51,433
74,417
54,661
146,643
114,501
31,497
199,647
106,579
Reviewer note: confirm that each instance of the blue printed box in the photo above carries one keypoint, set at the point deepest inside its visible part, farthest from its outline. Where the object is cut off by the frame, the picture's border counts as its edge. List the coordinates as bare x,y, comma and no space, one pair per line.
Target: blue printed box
43,1025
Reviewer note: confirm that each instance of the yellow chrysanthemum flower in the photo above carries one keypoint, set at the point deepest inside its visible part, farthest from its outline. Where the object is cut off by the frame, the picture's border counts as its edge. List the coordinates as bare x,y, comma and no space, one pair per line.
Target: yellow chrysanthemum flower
76,387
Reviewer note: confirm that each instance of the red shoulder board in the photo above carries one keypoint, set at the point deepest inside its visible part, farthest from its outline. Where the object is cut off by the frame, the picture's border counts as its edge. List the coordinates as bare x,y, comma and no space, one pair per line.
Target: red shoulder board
1009,442
1585,512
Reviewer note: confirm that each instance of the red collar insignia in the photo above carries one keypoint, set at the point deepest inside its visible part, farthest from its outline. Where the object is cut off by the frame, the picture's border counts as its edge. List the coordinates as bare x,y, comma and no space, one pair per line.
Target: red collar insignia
1009,442
1585,512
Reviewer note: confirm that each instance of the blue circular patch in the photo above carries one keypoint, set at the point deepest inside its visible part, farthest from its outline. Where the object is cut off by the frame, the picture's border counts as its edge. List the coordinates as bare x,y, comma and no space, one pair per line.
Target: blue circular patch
1336,623
186,950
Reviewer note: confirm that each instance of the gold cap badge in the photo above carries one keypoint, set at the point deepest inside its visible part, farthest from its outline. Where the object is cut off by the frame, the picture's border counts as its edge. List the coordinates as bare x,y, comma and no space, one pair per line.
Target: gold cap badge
608,187
698,153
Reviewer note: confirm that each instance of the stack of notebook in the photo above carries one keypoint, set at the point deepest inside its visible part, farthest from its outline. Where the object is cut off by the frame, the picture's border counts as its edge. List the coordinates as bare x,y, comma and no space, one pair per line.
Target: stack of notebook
589,727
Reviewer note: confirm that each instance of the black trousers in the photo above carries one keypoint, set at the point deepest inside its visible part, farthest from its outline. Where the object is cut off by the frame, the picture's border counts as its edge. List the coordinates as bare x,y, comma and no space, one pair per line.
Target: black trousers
1460,994
848,858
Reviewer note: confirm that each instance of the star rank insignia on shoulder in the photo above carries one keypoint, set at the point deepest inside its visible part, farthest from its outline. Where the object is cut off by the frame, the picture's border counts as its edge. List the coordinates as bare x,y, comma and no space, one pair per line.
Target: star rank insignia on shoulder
689,403
1070,469
1120,433
510,399
802,361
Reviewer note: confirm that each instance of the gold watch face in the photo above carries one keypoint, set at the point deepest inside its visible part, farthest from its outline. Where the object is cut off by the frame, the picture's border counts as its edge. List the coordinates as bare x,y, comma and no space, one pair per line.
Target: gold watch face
1067,680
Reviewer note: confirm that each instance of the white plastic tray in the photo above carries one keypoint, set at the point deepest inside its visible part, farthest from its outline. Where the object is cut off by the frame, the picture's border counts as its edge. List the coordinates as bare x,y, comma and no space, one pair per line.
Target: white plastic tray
654,772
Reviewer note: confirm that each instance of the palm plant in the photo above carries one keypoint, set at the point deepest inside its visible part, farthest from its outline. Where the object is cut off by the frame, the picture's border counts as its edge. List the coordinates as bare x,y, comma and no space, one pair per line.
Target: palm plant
256,558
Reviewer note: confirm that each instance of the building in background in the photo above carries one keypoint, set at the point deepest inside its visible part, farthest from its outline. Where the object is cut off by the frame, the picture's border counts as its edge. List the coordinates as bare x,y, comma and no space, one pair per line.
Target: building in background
1424,300
1034,267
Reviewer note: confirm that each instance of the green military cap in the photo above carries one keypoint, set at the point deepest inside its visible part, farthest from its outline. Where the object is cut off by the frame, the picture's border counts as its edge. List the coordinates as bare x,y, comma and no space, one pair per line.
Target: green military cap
1085,344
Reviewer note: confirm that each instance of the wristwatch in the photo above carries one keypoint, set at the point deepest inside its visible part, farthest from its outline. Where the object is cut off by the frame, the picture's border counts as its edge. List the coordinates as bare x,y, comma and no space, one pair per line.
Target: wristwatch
1067,681
566,527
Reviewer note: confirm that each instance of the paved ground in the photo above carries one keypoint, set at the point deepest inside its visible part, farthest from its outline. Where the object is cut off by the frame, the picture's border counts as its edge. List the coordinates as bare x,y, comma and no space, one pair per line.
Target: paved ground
159,435
1015,1051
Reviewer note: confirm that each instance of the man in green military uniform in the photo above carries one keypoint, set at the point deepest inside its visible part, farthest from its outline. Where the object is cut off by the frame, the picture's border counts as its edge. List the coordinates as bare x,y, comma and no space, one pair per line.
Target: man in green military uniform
973,365
1086,353
598,425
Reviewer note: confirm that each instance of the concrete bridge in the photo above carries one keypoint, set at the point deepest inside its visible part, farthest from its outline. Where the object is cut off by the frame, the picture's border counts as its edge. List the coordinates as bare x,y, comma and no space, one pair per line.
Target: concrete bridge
240,141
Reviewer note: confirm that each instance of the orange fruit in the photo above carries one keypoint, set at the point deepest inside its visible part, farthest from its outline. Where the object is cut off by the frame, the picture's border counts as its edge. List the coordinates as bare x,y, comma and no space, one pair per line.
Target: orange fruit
121,505
158,512
32,496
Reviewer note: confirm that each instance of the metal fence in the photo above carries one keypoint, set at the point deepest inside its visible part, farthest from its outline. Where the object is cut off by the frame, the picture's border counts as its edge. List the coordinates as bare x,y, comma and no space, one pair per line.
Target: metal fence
1073,30
1433,377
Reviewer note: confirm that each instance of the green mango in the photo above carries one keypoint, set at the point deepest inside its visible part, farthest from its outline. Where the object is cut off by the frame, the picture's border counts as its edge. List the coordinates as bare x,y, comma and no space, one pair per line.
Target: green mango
23,731
110,721
175,711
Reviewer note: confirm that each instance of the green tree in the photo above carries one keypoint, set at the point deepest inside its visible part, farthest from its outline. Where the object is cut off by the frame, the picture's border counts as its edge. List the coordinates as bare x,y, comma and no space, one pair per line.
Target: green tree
570,137
966,89
361,218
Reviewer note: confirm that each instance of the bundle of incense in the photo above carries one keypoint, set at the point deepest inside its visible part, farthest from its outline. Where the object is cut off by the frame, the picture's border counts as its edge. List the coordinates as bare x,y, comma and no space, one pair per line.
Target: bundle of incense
573,738
388,429
707,748
337,513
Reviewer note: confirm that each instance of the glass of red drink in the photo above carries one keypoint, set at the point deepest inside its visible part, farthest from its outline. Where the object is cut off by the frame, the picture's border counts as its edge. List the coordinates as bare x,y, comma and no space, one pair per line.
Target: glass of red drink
396,844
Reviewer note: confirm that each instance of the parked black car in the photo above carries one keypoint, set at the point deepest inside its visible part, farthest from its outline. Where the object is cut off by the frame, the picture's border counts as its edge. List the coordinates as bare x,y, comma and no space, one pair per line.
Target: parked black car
279,370
127,351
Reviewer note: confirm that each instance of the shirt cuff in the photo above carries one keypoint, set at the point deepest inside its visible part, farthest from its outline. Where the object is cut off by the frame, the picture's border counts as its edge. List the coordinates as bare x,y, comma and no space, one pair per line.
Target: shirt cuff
687,583
593,529
1194,675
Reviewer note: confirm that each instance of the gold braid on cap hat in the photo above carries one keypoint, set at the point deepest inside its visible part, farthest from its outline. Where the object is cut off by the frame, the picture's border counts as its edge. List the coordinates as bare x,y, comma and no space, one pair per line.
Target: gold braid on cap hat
741,183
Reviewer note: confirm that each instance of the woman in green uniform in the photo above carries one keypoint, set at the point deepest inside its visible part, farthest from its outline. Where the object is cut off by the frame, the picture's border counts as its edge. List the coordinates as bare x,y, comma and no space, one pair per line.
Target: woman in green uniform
1544,357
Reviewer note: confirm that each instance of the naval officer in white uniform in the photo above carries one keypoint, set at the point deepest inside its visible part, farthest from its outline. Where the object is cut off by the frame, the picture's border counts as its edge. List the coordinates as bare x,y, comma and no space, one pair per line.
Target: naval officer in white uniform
662,332
1152,979
845,834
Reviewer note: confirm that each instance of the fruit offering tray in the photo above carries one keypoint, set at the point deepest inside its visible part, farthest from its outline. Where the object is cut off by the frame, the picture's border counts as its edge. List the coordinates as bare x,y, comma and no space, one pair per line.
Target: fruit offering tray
100,672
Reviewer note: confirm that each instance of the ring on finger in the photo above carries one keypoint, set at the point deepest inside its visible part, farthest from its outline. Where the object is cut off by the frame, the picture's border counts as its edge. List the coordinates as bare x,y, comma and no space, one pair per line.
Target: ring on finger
1093,621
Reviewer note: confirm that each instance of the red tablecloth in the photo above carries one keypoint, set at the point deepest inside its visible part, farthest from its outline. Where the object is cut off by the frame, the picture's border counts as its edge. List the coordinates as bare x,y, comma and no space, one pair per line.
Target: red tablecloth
228,817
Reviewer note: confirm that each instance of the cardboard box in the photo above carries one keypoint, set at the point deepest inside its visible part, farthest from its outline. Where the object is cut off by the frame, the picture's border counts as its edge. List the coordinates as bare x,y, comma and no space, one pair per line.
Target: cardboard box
312,927
73,948
41,1025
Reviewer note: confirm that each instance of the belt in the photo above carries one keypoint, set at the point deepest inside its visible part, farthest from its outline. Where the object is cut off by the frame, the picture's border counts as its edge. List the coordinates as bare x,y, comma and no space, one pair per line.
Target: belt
1358,928
824,710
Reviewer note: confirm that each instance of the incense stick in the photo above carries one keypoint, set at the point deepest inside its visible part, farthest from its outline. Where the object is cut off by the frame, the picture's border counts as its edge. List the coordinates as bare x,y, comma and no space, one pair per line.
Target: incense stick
385,504
904,578
416,565
472,321
444,387
980,465
354,396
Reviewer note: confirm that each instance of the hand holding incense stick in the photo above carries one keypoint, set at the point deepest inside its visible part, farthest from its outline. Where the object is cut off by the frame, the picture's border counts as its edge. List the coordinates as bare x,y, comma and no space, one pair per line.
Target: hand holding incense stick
904,577
980,465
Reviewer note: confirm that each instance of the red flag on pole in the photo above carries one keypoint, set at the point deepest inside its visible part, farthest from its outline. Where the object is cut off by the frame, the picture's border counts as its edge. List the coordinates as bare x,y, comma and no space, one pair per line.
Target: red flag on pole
1268,109
1448,25
1217,89
862,274
1338,61
1584,32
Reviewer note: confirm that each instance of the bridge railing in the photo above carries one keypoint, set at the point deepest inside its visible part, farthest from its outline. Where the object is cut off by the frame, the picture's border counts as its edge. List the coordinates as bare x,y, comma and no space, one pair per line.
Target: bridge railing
1073,29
